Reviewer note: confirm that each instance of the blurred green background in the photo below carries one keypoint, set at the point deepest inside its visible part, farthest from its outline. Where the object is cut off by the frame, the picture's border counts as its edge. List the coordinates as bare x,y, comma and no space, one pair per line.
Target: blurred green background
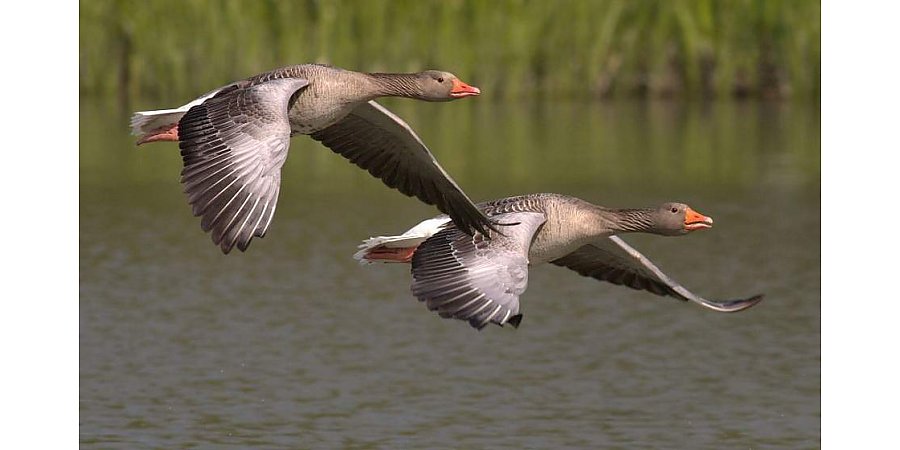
623,103
174,49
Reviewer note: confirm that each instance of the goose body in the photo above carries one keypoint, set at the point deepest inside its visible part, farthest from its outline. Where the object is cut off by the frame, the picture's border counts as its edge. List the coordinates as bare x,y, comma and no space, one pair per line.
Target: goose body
480,279
234,141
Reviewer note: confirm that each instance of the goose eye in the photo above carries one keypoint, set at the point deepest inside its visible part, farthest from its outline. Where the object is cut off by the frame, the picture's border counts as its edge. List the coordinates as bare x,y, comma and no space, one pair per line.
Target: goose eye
674,210
440,79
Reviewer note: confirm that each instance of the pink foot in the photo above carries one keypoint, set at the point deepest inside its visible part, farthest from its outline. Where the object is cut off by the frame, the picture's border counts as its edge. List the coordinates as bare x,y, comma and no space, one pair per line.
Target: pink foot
163,133
403,255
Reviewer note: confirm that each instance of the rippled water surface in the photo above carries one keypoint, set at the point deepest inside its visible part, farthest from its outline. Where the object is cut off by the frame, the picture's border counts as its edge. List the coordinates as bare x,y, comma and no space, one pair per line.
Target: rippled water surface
292,344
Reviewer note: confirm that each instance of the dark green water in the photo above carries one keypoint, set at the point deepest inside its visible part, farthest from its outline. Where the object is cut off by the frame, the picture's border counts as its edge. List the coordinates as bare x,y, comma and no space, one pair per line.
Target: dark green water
292,344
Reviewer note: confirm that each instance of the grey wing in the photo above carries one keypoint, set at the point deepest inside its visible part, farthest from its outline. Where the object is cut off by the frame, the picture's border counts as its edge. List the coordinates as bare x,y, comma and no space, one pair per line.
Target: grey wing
378,141
473,278
615,261
233,146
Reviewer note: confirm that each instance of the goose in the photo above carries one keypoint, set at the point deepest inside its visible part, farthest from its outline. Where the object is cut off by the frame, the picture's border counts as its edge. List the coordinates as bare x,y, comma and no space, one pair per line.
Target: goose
479,278
234,141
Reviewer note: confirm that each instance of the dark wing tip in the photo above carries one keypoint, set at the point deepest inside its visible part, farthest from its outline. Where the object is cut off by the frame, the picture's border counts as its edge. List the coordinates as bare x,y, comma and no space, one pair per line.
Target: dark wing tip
730,306
228,247
244,244
471,223
515,320
485,227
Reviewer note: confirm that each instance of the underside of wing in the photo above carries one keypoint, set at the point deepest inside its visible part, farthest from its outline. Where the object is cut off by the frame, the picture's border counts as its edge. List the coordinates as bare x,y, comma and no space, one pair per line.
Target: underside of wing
233,146
473,278
378,141
615,261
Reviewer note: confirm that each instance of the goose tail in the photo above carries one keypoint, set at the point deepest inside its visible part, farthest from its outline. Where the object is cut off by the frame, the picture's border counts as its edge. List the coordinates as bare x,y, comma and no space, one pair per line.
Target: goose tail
399,248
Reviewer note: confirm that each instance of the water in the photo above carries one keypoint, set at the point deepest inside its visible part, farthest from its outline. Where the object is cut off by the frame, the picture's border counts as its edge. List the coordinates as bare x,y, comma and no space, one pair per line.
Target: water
292,344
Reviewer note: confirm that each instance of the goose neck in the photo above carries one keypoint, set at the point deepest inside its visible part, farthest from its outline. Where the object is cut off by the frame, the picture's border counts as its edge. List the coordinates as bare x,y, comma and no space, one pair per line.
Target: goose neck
634,220
396,85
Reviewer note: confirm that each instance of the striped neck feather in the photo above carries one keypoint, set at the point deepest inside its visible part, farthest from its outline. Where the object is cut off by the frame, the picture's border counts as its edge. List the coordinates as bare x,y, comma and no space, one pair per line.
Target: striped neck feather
397,84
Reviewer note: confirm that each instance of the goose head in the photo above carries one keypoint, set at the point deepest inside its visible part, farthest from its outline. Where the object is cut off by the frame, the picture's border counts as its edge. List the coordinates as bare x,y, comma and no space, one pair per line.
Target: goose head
439,86
674,219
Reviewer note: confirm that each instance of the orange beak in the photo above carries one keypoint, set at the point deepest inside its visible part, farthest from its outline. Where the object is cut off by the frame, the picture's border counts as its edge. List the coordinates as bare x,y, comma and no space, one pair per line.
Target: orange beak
461,89
695,221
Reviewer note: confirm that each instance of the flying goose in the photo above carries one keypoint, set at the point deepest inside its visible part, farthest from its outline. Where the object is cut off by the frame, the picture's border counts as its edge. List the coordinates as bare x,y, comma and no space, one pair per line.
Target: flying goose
235,139
480,279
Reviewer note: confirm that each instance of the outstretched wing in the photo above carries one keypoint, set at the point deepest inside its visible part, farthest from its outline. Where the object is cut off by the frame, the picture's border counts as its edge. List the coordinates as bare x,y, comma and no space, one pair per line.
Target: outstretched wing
378,141
473,278
233,146
617,262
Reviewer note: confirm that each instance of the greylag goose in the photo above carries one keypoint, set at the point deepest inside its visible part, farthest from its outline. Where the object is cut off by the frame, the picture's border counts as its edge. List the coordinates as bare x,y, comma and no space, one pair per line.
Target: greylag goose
480,280
235,139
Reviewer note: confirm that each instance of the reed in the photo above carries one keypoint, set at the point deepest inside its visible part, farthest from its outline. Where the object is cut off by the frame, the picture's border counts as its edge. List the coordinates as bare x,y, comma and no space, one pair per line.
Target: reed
173,49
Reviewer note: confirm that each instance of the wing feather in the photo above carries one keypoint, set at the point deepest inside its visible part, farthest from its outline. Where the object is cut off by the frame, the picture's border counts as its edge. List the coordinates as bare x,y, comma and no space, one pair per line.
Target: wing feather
615,261
378,141
474,278
233,146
